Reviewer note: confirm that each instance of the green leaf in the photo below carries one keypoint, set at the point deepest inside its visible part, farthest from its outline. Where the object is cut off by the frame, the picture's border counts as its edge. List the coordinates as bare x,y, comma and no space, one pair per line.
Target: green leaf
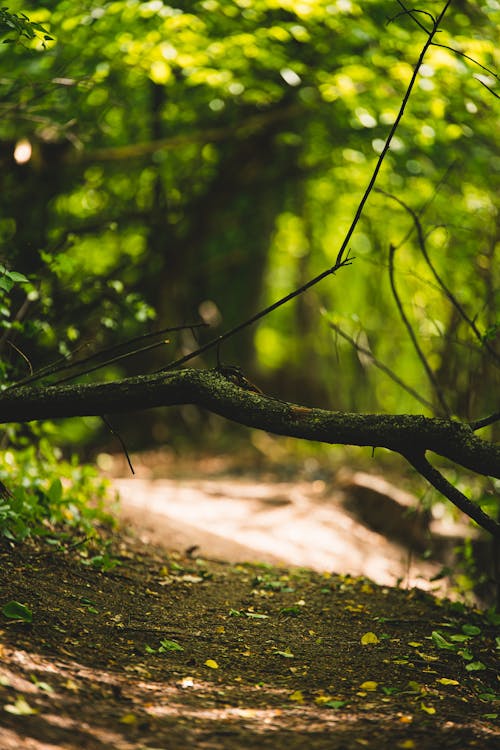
166,645
471,630
17,611
55,491
19,277
441,642
475,666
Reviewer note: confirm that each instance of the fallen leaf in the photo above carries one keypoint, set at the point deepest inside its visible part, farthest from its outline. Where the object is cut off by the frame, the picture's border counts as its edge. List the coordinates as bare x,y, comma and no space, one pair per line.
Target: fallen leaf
428,709
369,638
369,685
20,708
212,664
297,696
128,719
475,666
17,611
166,645
446,681
287,654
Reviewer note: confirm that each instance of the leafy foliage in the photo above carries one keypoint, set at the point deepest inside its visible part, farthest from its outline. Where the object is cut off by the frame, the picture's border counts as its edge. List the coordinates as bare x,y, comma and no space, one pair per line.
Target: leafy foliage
179,146
174,149
20,26
50,497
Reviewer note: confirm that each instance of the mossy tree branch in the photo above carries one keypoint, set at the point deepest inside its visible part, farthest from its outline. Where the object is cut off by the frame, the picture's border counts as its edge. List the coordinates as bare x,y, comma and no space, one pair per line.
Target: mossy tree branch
410,435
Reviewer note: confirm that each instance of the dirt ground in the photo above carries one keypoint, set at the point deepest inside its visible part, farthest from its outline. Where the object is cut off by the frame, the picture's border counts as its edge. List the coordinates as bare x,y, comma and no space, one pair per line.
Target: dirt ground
146,646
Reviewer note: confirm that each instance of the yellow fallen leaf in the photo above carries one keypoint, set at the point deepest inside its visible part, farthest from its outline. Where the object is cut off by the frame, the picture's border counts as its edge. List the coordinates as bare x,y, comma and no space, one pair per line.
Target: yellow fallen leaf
20,708
428,709
369,638
128,719
415,644
446,681
427,657
321,699
406,744
297,696
212,664
369,685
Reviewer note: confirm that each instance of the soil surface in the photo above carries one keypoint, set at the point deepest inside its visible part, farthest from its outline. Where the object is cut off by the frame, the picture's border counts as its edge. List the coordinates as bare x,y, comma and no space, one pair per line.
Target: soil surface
139,646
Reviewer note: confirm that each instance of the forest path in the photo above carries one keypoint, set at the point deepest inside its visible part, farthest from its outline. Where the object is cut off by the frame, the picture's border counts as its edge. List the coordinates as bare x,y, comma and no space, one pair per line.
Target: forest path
292,523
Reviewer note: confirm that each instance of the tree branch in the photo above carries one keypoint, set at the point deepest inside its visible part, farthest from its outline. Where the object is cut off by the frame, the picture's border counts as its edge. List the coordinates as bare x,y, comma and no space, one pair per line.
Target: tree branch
434,477
407,434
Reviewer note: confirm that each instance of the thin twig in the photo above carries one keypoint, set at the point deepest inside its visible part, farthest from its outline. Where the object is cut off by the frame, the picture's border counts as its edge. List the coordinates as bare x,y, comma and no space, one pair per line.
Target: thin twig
262,313
467,57
120,440
478,424
21,354
381,366
487,87
111,361
447,292
406,12
413,337
62,364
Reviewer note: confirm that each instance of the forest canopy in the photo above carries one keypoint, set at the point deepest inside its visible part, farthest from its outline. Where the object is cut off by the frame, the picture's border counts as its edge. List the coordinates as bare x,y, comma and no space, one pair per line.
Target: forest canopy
174,148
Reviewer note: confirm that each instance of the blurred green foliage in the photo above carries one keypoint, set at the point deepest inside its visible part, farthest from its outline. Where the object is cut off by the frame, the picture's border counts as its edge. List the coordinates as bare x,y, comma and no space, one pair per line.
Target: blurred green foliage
45,496
206,158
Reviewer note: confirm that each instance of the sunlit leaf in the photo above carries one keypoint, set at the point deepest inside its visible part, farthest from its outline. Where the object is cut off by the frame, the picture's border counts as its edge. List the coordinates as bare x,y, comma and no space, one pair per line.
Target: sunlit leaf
475,666
441,642
369,685
428,709
166,645
369,638
211,663
128,719
20,708
287,654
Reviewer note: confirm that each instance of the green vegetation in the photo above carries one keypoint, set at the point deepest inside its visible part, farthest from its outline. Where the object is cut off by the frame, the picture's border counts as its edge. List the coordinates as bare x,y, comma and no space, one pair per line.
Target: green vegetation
163,165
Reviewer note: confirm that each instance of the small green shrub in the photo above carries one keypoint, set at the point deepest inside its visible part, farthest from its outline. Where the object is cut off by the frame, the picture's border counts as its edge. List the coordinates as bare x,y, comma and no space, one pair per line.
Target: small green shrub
44,495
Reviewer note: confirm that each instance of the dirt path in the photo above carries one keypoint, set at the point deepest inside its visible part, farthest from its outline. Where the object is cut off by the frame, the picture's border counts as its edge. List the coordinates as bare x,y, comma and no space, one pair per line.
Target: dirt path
302,524
136,646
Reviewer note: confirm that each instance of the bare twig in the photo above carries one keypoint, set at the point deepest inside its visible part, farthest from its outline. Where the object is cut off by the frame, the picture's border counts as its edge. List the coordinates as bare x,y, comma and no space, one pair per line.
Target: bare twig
261,314
447,292
413,15
487,87
63,364
478,424
467,57
120,440
381,366
413,337
21,354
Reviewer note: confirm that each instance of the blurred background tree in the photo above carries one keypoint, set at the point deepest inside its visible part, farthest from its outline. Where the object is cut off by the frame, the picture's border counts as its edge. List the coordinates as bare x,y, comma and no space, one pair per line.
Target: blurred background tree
163,164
